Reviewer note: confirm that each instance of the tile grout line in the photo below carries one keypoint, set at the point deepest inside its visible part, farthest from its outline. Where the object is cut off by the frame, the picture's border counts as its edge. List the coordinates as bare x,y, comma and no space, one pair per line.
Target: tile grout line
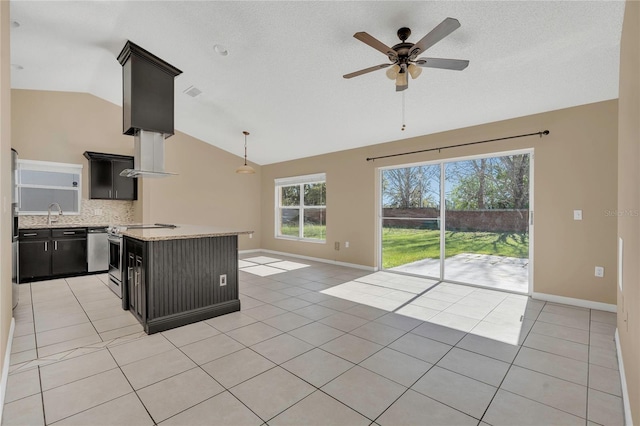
207,373
417,296
545,374
44,414
422,375
509,369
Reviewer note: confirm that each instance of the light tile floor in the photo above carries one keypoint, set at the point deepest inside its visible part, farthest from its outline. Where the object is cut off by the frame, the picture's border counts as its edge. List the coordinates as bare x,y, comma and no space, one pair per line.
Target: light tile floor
302,351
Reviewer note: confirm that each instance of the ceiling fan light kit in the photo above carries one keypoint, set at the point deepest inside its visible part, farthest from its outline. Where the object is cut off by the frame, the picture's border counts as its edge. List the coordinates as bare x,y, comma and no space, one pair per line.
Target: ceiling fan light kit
403,56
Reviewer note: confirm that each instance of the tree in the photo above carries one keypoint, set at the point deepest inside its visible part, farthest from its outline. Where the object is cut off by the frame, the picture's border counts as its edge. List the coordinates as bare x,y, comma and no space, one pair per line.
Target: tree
411,187
490,183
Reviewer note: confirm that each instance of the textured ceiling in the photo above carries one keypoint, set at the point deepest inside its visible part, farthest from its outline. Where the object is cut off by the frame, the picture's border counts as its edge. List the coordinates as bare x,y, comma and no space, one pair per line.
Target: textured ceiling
282,79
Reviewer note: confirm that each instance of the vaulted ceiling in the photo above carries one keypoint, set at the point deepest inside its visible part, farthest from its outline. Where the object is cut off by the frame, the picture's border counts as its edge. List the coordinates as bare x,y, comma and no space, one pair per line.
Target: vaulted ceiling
282,78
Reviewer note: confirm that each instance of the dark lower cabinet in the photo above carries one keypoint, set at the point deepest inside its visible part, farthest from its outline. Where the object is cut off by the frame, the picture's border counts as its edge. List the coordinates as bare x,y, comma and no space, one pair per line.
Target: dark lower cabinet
134,256
34,259
46,253
69,256
171,283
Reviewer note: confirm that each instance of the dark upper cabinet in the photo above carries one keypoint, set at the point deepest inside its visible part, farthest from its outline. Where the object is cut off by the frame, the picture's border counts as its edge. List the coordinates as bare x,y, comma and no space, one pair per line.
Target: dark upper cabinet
123,189
105,182
100,179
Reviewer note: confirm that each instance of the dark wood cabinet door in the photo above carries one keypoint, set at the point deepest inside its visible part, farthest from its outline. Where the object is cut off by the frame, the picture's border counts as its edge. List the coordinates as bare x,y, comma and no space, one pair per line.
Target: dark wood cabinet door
101,179
34,259
140,279
69,256
124,188
136,280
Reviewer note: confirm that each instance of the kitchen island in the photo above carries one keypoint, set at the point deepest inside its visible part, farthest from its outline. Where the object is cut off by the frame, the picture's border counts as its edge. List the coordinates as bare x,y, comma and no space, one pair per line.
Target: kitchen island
177,276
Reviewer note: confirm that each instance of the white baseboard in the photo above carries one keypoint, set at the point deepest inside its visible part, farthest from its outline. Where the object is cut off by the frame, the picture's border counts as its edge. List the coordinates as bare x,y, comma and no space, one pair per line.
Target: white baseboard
623,381
5,366
315,259
249,251
575,302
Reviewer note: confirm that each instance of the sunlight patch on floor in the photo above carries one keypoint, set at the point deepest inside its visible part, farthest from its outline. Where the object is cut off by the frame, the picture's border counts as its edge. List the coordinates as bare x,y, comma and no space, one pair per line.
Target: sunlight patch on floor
483,312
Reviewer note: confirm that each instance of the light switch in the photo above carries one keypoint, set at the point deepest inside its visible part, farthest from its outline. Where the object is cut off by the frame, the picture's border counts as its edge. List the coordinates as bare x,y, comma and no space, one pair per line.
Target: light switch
577,215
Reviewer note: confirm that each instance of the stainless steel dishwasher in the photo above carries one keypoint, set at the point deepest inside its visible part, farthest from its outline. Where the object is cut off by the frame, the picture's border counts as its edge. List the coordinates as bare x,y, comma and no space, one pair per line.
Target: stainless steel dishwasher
97,250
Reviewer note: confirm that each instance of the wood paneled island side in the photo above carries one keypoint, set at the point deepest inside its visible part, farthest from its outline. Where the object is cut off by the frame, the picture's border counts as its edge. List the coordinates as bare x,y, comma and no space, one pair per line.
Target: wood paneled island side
174,277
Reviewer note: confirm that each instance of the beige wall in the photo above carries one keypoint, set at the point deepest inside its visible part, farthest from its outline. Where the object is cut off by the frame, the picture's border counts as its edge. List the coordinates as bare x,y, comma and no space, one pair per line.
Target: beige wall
5,181
207,191
629,201
575,168
60,126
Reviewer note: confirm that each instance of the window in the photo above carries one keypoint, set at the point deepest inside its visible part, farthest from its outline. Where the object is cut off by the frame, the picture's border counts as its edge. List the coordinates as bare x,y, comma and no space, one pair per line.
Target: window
41,183
301,209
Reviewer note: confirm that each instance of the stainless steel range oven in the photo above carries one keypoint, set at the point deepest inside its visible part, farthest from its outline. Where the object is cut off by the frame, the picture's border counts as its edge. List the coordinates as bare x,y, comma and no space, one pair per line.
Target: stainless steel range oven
116,255
115,261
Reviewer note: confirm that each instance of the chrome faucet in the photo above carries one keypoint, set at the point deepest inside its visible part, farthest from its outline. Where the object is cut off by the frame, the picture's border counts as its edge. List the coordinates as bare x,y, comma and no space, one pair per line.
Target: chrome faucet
49,212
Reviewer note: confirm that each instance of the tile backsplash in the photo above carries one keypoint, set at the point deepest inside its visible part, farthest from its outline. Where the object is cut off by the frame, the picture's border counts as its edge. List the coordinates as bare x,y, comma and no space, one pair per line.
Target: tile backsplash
113,212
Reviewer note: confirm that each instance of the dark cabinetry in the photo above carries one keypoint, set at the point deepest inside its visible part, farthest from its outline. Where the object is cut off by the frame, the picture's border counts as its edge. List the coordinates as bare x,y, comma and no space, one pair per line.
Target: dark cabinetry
147,91
34,257
134,260
171,283
105,182
69,255
47,253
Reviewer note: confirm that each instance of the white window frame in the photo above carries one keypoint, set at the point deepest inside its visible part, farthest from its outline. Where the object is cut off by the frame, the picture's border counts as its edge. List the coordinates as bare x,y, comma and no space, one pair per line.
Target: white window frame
49,166
300,181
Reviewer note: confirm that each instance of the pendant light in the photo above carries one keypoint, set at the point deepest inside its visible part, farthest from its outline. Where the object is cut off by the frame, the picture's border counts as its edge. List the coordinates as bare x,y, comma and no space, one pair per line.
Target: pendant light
245,168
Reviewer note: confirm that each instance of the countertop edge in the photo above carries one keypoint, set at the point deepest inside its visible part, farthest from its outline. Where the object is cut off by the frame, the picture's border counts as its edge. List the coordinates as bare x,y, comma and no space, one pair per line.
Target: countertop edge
185,237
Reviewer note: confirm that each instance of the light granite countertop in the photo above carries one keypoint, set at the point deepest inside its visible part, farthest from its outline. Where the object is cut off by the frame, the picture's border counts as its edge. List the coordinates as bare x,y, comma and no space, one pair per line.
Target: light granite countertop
182,232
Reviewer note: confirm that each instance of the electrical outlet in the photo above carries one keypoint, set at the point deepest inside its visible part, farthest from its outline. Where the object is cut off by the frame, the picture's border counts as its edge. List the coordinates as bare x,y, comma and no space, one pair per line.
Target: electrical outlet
599,271
346,244
577,215
223,280
97,212
337,245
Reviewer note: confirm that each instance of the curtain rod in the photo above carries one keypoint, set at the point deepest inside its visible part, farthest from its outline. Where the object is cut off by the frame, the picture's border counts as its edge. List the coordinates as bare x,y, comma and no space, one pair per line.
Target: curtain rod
542,133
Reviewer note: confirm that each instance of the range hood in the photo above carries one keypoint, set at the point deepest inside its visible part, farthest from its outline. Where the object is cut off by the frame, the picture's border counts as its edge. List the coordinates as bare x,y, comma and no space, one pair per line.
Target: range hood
148,160
147,108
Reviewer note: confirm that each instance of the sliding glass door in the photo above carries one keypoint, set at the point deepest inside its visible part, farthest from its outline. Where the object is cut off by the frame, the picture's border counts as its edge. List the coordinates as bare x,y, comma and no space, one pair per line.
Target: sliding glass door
481,237
411,220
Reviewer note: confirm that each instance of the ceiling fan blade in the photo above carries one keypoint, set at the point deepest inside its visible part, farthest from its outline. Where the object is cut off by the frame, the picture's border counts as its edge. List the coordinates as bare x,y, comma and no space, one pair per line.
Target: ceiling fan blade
445,28
376,44
447,64
366,70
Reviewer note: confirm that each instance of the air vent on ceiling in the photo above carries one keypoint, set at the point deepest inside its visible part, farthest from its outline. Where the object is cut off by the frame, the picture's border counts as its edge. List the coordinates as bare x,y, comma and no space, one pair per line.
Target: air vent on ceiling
192,91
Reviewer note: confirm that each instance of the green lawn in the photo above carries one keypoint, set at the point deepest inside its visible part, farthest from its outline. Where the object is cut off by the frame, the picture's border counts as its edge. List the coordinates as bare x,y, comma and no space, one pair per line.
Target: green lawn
402,245
310,231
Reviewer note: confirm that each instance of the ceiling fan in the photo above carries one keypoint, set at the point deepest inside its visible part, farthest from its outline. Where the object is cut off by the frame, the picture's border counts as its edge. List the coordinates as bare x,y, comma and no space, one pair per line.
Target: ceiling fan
403,55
